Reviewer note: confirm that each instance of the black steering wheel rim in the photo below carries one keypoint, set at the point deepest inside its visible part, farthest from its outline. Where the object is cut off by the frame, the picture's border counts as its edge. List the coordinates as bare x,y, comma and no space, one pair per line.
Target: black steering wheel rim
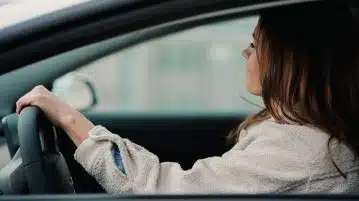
37,139
30,149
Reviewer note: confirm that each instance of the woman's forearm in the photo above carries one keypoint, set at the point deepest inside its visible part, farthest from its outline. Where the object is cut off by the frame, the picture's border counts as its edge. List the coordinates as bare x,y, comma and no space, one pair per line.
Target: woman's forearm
77,126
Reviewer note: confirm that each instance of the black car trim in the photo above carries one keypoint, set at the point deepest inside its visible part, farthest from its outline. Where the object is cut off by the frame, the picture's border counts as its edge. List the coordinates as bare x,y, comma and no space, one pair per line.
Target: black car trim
17,52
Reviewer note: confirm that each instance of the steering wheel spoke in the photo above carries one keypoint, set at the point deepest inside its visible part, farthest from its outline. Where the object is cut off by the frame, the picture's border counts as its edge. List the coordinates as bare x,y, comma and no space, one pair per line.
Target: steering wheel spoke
38,160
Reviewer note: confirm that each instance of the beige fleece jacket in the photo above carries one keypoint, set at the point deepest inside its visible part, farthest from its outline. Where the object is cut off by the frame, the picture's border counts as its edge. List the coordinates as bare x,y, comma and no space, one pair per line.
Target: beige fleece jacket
268,158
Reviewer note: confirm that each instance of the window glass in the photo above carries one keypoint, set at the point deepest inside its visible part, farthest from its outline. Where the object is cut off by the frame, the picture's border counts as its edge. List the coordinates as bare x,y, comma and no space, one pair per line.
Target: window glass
195,71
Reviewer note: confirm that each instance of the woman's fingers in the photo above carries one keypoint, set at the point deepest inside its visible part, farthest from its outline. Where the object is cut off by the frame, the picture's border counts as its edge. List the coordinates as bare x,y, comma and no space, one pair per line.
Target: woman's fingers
34,97
23,102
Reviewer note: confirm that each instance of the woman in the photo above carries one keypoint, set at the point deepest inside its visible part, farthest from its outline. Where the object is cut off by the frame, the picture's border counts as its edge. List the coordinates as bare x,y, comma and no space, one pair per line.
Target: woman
303,63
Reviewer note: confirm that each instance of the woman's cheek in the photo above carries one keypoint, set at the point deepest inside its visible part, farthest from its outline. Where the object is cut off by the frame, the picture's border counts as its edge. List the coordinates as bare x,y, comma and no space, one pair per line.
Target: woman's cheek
253,81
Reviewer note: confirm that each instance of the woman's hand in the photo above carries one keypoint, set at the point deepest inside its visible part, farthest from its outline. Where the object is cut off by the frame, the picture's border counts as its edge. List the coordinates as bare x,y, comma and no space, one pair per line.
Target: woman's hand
58,112
55,110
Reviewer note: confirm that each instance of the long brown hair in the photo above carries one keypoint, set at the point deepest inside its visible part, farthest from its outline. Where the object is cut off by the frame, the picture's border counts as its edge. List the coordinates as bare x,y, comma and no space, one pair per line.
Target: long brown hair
309,69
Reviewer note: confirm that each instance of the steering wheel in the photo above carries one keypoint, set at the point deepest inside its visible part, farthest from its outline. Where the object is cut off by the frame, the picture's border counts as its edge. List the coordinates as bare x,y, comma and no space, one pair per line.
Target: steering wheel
43,169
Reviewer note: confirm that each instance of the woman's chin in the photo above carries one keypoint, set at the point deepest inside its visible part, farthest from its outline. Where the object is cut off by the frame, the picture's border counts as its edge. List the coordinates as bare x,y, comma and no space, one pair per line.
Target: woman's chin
254,91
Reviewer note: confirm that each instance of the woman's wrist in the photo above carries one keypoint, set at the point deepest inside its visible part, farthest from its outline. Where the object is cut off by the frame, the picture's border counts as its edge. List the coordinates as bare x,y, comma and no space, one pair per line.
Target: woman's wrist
77,127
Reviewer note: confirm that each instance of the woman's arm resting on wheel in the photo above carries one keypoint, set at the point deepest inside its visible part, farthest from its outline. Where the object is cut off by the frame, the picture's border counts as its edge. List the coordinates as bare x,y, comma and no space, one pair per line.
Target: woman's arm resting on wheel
261,167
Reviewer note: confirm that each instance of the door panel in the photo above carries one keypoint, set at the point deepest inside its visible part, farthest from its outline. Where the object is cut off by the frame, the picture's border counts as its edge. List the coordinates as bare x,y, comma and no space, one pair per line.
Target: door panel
180,139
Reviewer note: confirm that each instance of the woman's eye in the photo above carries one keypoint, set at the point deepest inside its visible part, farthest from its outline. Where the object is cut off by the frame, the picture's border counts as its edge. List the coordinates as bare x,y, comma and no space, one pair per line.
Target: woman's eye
251,45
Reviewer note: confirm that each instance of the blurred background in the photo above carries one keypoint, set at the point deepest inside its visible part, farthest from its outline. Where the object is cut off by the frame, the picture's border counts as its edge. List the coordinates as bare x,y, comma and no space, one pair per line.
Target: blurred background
195,71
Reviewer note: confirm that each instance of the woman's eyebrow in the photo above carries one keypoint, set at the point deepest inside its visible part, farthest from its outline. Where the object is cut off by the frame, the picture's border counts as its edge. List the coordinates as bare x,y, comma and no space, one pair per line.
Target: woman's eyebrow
253,35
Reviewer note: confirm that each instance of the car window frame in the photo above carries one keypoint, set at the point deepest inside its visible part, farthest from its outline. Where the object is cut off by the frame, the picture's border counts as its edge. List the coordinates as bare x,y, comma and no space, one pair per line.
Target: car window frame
252,101
48,64
96,21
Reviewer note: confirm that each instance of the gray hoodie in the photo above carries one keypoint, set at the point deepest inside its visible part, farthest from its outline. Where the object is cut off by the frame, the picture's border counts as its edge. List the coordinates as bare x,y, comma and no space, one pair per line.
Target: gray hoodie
268,158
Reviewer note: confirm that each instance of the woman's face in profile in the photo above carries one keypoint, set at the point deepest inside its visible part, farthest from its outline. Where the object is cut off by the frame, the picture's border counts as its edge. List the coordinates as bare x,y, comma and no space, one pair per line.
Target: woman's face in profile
252,67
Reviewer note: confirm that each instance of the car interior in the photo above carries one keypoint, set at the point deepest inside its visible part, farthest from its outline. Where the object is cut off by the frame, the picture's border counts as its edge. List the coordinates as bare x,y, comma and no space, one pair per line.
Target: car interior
112,72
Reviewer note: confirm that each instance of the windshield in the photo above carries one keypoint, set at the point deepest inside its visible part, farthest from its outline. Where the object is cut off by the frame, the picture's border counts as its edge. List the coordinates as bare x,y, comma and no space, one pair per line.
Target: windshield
16,11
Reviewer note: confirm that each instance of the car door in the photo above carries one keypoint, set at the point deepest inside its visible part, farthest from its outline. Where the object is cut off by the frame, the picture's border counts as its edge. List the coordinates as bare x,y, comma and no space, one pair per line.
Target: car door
178,96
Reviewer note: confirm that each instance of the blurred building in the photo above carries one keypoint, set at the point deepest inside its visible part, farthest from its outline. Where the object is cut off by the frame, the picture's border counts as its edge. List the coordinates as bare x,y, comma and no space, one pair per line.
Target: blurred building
198,70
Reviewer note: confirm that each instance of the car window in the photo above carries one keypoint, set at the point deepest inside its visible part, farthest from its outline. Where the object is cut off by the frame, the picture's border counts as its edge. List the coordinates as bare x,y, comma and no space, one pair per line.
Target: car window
194,71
